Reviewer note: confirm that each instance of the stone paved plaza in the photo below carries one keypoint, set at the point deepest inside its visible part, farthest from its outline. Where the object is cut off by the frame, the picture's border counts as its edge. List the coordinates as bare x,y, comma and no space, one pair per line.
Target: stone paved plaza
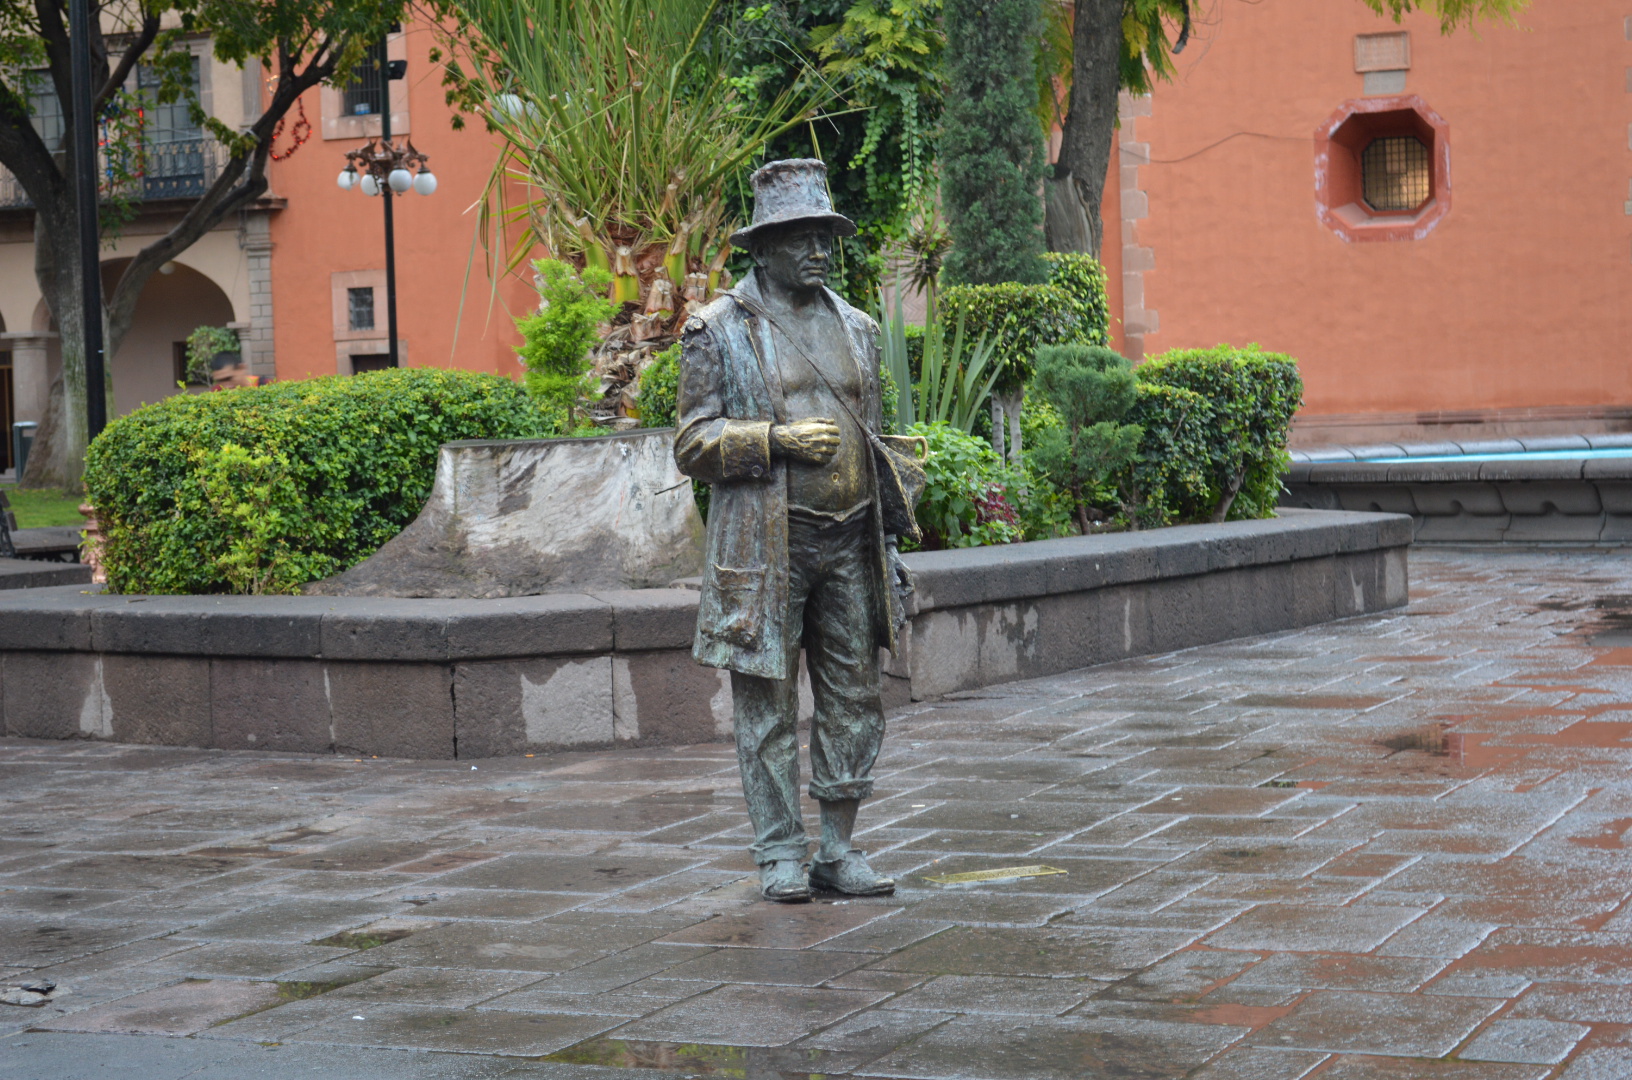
1391,848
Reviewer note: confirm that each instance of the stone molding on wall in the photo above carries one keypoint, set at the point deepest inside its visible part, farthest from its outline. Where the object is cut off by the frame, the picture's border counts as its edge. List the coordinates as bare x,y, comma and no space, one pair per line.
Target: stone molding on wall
255,238
1577,501
1137,319
483,678
1459,425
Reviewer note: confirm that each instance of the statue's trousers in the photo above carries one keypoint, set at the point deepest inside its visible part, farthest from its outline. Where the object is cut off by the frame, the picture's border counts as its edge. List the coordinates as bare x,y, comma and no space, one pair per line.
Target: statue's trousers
830,610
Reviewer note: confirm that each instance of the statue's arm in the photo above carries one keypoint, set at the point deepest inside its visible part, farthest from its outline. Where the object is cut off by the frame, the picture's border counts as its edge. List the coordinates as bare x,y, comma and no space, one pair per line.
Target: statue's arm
710,446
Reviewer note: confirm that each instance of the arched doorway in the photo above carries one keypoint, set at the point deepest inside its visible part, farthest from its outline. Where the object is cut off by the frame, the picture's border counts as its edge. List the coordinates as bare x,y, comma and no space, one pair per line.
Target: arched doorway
148,363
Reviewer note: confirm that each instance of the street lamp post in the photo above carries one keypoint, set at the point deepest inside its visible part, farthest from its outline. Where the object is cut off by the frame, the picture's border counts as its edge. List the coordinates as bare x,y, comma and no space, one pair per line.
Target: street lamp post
85,207
383,168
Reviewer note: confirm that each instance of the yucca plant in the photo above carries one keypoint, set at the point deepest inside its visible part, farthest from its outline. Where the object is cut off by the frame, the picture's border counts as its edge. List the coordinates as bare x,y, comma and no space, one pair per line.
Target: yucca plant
620,138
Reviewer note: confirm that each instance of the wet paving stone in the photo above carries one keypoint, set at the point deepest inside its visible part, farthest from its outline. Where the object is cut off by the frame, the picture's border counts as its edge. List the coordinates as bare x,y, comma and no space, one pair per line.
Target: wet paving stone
433,986
294,922
1341,971
1319,854
1048,1048
778,967
541,947
1099,954
466,1030
1403,1025
995,996
1531,1042
779,926
1308,929
182,1009
750,1015
564,873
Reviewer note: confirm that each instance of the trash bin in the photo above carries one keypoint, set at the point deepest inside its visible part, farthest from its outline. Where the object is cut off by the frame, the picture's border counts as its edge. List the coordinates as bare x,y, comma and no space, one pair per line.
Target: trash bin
22,440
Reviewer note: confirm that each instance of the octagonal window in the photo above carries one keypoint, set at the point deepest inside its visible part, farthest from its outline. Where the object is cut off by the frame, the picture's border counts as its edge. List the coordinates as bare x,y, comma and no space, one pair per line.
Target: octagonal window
1382,169
1395,175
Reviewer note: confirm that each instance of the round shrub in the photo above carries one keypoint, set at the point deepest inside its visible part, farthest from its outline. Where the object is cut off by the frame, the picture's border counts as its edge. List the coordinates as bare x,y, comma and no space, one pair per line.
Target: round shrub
1251,396
261,490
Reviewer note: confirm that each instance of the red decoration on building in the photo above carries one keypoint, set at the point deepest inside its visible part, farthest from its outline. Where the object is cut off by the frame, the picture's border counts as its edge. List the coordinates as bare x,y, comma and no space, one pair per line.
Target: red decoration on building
301,131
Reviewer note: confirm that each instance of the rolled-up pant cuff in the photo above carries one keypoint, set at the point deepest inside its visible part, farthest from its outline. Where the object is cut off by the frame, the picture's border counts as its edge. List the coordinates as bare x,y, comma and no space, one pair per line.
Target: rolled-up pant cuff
836,790
770,853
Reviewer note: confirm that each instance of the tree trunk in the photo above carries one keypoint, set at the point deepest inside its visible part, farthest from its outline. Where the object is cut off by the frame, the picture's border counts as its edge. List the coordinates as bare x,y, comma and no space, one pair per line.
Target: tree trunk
1227,499
1006,406
58,457
1013,404
1090,128
1065,222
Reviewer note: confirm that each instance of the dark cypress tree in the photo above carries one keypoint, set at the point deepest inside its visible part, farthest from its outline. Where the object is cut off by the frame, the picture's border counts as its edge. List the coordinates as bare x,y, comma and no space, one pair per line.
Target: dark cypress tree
992,156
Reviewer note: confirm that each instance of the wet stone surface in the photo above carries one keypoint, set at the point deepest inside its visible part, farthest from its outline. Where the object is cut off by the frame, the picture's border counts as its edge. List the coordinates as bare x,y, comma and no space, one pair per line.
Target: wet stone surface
1396,846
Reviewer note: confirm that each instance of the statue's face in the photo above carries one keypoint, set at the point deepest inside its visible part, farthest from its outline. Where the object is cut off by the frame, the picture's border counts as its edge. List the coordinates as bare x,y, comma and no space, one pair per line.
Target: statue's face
796,257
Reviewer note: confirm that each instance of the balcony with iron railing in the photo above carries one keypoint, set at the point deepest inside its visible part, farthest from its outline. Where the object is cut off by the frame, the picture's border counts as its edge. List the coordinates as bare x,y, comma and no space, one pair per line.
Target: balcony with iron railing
172,169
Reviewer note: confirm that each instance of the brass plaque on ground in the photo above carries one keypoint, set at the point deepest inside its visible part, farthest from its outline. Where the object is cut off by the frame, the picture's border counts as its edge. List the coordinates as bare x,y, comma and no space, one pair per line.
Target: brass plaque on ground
1003,874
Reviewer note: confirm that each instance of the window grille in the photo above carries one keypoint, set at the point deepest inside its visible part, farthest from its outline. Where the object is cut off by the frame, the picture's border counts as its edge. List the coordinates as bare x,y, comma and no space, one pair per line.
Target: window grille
1394,173
176,159
364,95
45,108
360,308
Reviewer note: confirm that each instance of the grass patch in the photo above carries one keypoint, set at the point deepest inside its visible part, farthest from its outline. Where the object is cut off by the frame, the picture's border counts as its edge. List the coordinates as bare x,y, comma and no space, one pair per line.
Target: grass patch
363,939
300,991
1279,783
38,508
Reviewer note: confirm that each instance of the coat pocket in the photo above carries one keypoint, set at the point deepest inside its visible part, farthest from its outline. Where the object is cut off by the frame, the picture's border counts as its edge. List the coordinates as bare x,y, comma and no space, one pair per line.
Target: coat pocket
738,605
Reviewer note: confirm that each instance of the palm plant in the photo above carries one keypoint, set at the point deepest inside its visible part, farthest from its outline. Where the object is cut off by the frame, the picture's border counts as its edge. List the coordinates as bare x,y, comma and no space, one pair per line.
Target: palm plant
619,140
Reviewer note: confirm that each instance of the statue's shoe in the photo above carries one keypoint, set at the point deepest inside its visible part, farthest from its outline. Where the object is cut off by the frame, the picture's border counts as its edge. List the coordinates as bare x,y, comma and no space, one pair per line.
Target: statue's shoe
784,881
850,875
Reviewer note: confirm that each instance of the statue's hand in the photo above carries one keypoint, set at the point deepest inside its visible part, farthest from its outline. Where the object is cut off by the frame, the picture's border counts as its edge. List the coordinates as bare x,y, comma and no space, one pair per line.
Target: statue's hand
810,441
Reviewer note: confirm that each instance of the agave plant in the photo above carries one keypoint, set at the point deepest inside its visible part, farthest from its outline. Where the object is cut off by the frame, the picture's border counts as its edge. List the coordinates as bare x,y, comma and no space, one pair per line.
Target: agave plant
954,377
620,138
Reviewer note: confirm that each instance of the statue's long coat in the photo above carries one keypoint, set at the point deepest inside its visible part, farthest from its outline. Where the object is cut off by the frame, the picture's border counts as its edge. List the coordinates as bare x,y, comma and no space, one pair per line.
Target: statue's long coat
730,394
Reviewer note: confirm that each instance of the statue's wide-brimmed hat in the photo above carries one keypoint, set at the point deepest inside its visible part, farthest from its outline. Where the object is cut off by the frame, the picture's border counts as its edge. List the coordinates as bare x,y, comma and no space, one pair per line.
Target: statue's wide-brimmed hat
790,191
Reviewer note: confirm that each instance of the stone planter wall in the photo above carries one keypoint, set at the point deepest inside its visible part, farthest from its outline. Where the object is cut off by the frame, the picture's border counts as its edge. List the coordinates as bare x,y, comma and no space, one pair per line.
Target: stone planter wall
480,678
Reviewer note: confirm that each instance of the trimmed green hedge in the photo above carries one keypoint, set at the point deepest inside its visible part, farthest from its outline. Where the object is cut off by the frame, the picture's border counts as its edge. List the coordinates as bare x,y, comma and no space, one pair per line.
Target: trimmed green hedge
263,489
1069,310
1239,447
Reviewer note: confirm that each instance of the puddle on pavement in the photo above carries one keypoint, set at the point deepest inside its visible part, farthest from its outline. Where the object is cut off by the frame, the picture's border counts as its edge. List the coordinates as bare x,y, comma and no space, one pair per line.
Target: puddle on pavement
697,1059
1474,749
988,877
1608,621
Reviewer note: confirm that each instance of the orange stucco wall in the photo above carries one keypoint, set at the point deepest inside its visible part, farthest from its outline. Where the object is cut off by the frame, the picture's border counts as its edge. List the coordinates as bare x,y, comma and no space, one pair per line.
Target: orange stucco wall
324,230
1519,298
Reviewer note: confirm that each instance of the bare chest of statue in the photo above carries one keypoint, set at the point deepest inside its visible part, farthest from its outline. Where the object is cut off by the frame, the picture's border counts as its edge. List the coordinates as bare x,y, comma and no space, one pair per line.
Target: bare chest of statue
842,482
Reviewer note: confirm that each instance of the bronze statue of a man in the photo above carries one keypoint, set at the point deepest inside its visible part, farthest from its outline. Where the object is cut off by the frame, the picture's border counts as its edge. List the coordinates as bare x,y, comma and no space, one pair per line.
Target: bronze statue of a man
779,410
